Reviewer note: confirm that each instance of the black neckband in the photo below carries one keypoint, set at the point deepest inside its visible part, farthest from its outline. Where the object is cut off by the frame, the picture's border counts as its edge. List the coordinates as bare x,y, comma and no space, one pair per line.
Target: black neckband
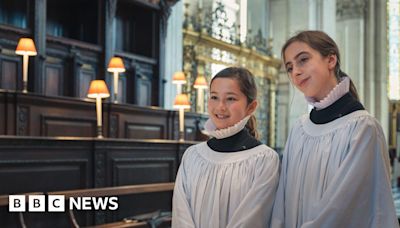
343,106
238,142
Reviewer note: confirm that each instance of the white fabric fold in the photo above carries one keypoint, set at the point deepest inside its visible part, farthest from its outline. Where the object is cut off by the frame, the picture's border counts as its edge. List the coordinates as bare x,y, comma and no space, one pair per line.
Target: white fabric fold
211,130
229,190
340,89
335,175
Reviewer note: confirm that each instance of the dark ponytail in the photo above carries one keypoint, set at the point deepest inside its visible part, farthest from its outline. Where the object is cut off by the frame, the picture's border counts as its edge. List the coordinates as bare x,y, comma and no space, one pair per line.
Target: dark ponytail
340,74
252,127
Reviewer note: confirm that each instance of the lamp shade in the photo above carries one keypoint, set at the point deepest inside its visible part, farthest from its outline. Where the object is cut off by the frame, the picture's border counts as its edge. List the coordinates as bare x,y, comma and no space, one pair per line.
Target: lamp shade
116,65
98,88
181,102
26,46
200,83
179,78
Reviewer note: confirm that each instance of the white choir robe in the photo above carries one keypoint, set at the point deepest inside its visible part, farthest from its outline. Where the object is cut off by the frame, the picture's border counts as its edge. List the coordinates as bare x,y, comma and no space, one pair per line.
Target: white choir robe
335,175
235,189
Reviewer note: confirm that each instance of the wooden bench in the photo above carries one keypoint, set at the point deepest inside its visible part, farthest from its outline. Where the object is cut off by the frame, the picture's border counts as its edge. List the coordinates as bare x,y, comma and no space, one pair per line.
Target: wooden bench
99,192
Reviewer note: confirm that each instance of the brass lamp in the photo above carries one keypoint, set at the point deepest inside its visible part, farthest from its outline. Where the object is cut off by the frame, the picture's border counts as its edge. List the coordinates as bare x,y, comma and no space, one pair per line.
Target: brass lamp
181,103
179,79
200,84
98,89
26,47
116,65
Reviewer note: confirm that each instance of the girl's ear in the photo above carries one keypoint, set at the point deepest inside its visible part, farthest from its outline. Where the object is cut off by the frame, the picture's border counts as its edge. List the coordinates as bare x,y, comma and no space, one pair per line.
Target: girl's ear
251,107
332,60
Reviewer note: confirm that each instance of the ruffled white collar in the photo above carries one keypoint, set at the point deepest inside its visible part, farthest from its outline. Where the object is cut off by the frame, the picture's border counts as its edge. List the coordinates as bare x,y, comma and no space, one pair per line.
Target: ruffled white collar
340,89
211,130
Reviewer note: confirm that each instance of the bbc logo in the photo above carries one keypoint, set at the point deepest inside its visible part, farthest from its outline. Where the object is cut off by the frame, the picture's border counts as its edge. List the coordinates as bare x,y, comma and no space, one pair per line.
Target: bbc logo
36,203
56,203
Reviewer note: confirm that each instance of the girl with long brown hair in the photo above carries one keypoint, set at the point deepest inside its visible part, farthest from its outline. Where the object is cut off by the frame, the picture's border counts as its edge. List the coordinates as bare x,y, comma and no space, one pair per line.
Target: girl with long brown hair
335,168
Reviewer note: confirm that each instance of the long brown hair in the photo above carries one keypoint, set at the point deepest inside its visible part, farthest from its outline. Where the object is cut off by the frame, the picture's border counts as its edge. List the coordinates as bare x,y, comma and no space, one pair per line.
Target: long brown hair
326,46
247,86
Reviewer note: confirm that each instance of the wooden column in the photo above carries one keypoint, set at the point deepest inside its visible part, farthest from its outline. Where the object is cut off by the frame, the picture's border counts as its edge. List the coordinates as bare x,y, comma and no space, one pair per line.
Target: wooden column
36,74
110,9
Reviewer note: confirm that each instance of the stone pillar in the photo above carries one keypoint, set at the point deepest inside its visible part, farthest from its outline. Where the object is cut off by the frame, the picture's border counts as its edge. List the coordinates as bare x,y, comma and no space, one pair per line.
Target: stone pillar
173,52
350,39
272,111
379,58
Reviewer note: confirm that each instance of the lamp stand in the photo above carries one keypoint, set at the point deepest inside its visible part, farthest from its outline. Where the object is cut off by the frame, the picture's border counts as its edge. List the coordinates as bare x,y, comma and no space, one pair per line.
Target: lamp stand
178,88
25,74
99,120
181,124
115,87
200,100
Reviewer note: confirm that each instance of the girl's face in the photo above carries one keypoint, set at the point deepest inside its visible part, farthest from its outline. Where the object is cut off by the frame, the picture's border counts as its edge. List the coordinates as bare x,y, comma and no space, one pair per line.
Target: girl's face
227,104
309,71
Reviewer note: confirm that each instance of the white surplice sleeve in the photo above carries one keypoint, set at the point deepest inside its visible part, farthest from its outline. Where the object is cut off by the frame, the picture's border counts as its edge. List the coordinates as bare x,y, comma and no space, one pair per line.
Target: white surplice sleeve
255,208
360,192
181,212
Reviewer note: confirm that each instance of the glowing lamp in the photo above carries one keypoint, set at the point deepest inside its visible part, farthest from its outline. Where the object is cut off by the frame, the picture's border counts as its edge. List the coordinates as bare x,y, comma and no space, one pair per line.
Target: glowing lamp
116,65
181,103
26,47
98,90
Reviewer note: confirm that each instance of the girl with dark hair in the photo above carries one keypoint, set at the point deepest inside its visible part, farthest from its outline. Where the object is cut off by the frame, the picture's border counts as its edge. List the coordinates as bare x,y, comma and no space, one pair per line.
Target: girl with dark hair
335,168
230,180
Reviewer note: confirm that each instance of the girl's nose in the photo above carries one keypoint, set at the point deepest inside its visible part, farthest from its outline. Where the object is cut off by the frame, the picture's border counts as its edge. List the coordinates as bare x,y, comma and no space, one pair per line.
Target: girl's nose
296,71
222,106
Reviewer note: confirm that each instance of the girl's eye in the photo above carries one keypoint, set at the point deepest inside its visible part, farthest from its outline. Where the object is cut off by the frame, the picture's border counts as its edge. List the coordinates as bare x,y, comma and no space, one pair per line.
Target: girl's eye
213,97
231,99
289,70
303,60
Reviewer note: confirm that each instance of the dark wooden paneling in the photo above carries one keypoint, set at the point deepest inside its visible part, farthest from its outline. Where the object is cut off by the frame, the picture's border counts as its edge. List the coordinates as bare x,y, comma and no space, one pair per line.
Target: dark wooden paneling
47,164
142,122
45,173
28,165
144,91
85,77
63,126
144,131
37,115
50,116
139,164
23,120
10,113
43,165
79,63
3,114
9,73
53,80
122,89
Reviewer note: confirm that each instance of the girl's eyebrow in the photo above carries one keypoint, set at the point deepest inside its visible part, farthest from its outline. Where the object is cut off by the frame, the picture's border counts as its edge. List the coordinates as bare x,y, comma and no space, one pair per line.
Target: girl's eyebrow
228,93
231,93
295,57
